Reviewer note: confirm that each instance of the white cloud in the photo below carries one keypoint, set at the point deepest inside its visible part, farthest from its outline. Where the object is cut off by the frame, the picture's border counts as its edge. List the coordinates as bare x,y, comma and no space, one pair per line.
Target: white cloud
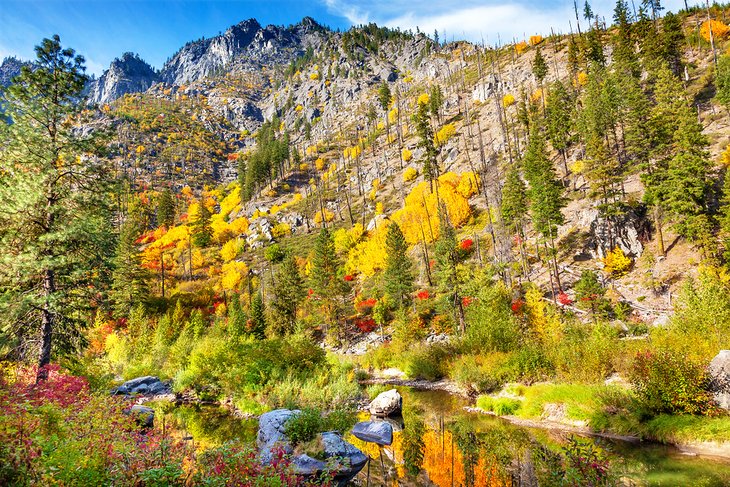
473,19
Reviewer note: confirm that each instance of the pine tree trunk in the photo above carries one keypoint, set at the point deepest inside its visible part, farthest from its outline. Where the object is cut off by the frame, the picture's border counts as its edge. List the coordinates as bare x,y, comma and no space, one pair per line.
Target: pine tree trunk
48,321
659,233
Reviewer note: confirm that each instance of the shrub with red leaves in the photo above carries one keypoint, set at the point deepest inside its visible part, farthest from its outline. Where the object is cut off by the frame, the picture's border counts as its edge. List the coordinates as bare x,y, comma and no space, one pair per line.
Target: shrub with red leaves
365,306
466,301
518,306
349,278
564,299
365,325
423,294
467,245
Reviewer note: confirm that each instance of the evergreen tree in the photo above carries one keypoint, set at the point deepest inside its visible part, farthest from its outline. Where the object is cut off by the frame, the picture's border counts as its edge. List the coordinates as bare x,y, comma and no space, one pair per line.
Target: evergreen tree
202,233
624,51
324,278
722,81
514,200
257,321
672,42
447,257
539,66
166,209
197,323
545,191
589,292
398,274
425,134
55,232
436,100
129,279
236,317
384,96
288,294
559,119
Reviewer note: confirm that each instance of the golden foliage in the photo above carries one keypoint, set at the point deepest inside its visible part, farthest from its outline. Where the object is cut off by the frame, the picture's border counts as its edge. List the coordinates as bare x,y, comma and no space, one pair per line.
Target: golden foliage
325,215
725,157
419,220
423,99
406,155
720,30
536,95
393,116
508,100
535,40
232,275
468,184
304,167
281,230
444,134
319,164
581,79
345,239
616,263
299,109
314,76
521,47
368,256
230,250
410,173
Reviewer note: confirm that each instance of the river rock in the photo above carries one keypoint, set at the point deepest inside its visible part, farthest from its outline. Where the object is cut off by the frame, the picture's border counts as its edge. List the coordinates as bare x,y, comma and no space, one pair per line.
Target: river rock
146,386
271,433
719,371
145,416
378,432
344,460
387,403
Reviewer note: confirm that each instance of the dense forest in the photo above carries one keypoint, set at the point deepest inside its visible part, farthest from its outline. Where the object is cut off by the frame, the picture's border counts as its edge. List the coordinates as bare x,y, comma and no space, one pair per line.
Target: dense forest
533,226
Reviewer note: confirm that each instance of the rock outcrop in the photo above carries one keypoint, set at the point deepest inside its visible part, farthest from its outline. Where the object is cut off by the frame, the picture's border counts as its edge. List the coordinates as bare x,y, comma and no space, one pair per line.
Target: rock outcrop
128,74
143,386
719,370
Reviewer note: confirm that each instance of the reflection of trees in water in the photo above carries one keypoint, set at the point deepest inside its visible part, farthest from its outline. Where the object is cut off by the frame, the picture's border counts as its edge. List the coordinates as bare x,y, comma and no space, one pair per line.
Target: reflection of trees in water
413,443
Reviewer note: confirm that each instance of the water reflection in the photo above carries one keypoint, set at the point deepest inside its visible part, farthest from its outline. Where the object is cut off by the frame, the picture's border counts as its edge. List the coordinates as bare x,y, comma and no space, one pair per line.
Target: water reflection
439,444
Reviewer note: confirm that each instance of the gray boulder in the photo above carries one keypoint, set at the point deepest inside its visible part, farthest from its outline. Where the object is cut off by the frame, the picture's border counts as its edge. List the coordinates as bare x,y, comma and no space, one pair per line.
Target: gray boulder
387,403
378,432
146,386
719,370
271,433
145,416
343,459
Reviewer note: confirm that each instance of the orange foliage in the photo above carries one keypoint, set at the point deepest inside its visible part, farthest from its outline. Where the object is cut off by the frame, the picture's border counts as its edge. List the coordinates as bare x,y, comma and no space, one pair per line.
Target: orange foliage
720,30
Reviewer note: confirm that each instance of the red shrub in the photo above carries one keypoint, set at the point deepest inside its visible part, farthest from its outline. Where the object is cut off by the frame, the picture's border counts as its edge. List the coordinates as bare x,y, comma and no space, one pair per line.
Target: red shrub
564,299
466,245
423,294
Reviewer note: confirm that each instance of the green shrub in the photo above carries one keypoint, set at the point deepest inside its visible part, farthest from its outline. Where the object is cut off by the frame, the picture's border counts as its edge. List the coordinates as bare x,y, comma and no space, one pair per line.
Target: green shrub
480,373
528,364
374,390
668,382
428,362
304,426
491,325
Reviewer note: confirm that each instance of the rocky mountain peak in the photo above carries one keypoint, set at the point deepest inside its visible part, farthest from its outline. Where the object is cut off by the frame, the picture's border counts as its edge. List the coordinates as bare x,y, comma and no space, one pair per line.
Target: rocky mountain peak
10,68
128,74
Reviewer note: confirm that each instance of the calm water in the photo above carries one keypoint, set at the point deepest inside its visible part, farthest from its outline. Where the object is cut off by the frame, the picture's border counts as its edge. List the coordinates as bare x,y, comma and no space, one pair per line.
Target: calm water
438,443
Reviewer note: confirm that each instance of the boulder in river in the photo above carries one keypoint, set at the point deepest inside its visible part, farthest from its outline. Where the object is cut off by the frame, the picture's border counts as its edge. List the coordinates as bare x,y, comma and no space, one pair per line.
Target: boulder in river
387,403
719,370
342,459
378,432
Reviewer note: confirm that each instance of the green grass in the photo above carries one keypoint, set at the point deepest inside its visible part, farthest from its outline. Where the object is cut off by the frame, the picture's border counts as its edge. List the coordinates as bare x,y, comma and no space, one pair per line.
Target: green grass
580,400
501,406
667,428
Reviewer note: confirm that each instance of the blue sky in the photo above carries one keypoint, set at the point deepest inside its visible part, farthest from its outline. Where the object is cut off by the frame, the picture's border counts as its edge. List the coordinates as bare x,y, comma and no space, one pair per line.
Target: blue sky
104,29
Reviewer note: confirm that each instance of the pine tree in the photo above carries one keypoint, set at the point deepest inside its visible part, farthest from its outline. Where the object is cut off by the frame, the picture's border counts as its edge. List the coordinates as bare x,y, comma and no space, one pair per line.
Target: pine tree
202,233
436,100
559,120
257,321
539,66
398,274
514,200
425,134
129,280
624,51
672,42
324,278
166,209
384,96
236,317
723,81
447,257
55,232
288,294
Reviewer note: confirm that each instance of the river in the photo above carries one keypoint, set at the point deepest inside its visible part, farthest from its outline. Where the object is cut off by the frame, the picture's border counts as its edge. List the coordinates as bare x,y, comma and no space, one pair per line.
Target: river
437,442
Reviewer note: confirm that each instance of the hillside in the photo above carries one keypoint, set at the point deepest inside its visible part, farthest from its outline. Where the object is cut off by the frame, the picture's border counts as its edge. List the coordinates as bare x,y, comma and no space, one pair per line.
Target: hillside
291,217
